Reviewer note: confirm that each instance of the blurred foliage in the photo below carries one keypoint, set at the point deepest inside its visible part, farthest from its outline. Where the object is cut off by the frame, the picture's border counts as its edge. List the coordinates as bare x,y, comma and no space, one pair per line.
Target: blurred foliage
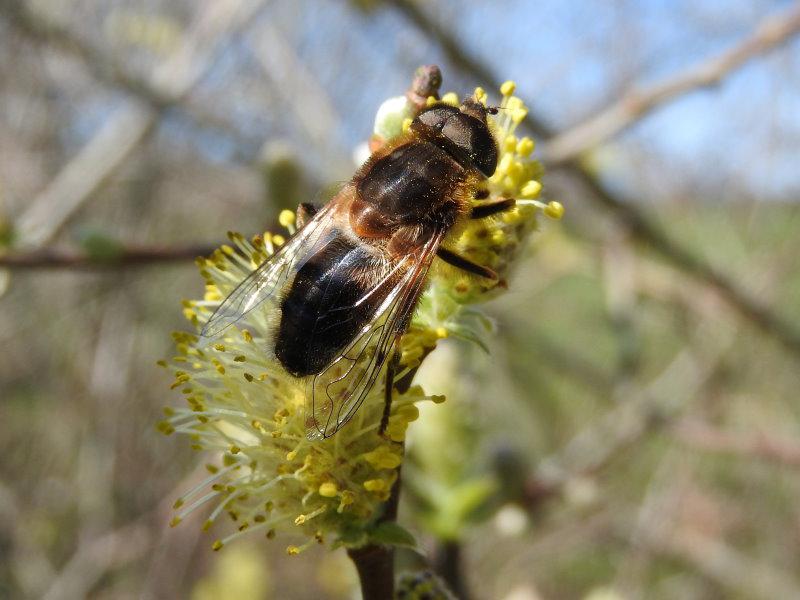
446,488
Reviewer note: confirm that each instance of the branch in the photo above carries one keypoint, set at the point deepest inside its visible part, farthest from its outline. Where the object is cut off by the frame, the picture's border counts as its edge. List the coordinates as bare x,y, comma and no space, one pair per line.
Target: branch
130,126
375,562
375,567
640,224
701,436
448,562
645,230
129,257
637,412
95,558
724,565
83,175
102,65
771,33
26,561
105,68
459,56
301,93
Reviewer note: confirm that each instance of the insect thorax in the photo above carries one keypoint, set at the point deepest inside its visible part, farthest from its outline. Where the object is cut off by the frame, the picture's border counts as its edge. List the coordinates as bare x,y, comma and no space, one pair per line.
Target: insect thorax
412,183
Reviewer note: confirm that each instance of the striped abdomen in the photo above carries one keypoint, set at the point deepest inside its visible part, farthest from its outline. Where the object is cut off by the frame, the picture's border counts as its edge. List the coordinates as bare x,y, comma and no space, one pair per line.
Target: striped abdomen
321,313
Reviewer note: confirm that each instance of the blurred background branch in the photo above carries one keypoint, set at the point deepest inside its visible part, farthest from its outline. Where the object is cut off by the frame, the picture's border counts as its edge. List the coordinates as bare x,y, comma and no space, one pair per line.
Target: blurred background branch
771,33
85,173
761,446
116,258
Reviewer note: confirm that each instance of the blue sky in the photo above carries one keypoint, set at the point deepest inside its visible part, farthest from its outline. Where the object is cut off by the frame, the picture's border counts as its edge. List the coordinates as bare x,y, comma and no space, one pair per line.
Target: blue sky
568,58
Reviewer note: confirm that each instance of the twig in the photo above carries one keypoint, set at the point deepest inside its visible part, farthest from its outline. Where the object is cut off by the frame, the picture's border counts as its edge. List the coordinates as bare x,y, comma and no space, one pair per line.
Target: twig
771,33
640,411
645,230
655,513
103,66
713,559
768,447
128,257
448,564
375,567
459,56
301,93
26,561
641,226
725,566
83,175
126,130
375,562
95,558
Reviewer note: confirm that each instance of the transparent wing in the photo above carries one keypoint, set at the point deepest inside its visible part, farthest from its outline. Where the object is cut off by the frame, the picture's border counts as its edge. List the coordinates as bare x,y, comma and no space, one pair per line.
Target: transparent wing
271,276
335,394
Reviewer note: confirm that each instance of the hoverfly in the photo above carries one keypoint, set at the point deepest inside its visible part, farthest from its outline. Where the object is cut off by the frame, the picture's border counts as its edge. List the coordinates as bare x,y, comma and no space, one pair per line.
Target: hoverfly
346,284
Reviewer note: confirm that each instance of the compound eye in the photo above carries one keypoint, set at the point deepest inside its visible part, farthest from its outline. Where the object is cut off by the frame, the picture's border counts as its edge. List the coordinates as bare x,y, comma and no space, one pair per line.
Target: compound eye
437,116
472,138
459,132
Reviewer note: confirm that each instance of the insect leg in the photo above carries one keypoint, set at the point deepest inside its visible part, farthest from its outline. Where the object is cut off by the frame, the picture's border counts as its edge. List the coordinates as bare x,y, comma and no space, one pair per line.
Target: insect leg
491,208
305,212
465,264
391,370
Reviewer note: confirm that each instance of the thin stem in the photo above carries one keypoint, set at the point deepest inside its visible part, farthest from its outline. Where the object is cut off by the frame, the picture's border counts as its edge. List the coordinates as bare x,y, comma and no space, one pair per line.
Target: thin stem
126,257
375,562
375,566
448,566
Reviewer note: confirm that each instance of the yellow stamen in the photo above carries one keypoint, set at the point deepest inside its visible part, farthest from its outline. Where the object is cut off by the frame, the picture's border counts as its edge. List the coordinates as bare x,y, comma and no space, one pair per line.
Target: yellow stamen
328,490
554,210
450,98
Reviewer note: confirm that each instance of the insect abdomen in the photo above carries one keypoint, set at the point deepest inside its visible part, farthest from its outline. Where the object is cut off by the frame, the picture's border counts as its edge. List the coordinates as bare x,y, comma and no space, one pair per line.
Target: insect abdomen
320,315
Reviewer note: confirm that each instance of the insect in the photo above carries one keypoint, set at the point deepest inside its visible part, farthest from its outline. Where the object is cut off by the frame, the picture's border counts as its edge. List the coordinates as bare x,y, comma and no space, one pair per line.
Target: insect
346,284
